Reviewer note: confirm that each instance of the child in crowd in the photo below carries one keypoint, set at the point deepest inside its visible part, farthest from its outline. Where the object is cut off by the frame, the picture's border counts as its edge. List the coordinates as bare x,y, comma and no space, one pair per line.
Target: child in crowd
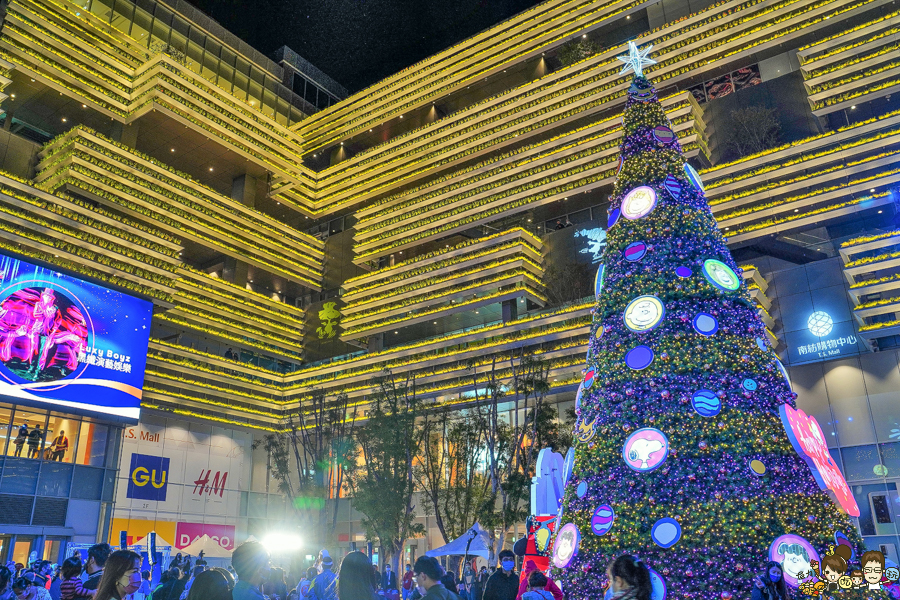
537,581
72,586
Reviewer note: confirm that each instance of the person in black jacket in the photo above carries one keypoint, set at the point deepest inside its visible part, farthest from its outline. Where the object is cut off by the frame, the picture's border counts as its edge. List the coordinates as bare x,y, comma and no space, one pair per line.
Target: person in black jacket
504,583
388,579
97,555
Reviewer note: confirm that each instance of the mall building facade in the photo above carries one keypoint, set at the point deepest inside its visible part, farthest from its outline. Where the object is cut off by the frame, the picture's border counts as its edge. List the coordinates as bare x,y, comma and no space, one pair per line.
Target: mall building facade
294,239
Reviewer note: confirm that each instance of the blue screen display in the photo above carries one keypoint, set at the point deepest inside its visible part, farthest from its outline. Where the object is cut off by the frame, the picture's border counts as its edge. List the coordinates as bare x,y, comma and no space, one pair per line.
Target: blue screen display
70,343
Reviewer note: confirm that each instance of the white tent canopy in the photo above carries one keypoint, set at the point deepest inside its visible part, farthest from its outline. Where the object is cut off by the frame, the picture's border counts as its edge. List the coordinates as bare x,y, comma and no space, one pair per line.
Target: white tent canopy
480,546
160,542
209,546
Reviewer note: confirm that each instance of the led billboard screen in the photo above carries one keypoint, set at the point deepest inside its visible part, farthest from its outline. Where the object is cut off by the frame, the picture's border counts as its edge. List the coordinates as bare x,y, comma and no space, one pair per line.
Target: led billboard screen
70,343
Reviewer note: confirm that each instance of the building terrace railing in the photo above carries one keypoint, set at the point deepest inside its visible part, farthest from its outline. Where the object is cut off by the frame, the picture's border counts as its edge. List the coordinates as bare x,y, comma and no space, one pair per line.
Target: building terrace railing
590,86
86,163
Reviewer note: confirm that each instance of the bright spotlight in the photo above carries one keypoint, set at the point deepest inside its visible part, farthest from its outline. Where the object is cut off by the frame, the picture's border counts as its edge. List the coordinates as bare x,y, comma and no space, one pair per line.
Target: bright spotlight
282,542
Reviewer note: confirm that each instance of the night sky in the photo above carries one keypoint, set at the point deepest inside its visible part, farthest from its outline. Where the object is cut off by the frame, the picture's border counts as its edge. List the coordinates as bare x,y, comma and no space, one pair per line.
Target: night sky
358,42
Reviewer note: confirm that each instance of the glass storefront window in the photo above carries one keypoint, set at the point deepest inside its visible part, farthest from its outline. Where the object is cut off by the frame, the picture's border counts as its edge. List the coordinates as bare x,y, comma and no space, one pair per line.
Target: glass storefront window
29,434
226,69
62,437
7,431
255,94
269,103
5,542
194,57
19,476
24,543
52,546
55,480
92,444
241,79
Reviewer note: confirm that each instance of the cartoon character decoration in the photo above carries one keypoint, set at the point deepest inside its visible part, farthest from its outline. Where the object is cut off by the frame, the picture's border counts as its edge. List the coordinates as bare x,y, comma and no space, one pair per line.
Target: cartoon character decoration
835,578
872,563
596,242
546,494
329,316
547,484
585,432
566,546
834,566
795,555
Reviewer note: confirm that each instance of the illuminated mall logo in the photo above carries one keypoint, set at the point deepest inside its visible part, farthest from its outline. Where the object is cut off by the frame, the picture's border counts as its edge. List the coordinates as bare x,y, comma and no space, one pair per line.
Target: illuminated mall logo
596,242
147,477
820,323
329,317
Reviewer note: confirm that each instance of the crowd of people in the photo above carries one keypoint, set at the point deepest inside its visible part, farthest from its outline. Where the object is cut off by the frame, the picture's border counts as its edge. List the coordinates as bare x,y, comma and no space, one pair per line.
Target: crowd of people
359,579
113,575
117,575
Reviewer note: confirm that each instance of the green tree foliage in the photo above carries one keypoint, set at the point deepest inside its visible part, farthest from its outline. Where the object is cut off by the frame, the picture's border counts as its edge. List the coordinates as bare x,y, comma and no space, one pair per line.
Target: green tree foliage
513,446
382,481
576,50
450,470
311,459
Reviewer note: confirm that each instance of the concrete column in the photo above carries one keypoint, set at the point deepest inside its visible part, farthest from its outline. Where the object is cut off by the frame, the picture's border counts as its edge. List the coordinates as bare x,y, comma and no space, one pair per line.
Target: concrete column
376,342
125,134
339,154
243,189
509,310
7,124
235,271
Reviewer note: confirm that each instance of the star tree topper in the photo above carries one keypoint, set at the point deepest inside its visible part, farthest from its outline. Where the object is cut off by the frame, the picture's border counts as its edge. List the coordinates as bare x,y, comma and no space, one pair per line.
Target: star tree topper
636,60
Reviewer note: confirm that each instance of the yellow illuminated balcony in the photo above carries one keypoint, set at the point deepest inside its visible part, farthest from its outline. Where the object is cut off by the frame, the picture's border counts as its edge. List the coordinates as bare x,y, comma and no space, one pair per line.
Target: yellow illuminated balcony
85,163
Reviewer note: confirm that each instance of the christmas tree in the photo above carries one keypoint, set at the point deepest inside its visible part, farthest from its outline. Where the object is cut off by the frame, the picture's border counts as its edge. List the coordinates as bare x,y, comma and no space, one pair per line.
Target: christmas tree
682,455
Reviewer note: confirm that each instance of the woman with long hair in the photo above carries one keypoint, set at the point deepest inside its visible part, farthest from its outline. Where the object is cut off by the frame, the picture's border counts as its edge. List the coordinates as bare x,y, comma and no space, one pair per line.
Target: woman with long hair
121,576
210,585
355,579
629,579
770,585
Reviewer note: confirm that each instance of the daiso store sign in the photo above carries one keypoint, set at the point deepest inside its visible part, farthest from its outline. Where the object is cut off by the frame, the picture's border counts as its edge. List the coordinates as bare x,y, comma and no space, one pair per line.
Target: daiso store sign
188,533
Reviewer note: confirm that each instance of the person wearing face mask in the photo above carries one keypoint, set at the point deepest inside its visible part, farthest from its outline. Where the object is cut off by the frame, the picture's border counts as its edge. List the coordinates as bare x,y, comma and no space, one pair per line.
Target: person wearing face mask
24,589
388,580
97,555
504,583
428,574
770,585
121,576
407,584
629,579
